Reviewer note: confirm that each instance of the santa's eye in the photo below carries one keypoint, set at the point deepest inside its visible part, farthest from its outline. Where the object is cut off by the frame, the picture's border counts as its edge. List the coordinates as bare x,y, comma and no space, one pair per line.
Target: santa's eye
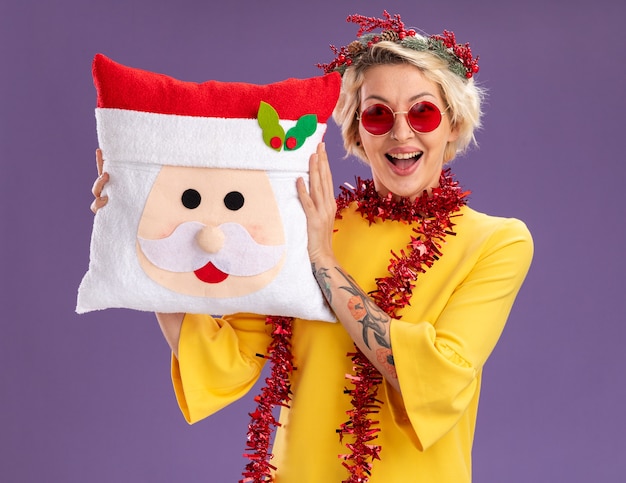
191,199
234,200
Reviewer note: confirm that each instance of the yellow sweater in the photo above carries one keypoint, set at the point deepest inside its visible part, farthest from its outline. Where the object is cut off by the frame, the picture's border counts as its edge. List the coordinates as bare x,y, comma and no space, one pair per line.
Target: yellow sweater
440,344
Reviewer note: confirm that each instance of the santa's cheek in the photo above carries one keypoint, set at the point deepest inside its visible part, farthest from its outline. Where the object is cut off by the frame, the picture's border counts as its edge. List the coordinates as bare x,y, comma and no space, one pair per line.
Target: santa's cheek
266,234
155,226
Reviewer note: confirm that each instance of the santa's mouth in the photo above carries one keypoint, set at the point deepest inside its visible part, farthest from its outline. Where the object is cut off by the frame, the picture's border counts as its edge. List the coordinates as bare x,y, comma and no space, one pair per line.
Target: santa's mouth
404,161
210,274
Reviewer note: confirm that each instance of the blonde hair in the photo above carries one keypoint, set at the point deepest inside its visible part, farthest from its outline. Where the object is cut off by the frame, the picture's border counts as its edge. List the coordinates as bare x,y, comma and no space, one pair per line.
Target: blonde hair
462,96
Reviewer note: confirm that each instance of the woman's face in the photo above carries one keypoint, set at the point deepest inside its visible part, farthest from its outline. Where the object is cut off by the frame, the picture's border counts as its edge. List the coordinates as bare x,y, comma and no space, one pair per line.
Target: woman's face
403,162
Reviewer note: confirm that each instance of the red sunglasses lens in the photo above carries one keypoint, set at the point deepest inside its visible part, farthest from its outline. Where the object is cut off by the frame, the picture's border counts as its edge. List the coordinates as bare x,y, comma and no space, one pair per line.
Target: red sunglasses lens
377,119
424,117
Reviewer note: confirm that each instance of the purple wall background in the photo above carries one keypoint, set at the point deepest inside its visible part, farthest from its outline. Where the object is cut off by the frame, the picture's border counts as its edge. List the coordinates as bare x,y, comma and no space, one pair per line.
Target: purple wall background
89,398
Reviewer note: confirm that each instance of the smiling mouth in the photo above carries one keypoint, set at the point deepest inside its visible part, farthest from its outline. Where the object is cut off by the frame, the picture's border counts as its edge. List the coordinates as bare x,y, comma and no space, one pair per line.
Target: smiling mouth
404,161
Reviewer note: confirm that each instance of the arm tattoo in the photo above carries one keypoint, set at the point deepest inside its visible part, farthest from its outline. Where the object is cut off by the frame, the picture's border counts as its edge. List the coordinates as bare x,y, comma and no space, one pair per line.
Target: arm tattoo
321,275
385,357
366,312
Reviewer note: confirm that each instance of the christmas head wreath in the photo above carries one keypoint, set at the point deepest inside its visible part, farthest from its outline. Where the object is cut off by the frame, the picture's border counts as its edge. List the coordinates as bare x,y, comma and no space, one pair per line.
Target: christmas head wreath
458,56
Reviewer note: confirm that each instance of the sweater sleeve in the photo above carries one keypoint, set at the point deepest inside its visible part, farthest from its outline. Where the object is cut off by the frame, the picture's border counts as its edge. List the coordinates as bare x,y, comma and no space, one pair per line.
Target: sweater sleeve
217,361
439,362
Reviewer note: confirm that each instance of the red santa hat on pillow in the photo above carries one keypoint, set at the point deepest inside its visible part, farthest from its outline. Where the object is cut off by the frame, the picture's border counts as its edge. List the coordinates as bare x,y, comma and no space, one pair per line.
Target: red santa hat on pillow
152,118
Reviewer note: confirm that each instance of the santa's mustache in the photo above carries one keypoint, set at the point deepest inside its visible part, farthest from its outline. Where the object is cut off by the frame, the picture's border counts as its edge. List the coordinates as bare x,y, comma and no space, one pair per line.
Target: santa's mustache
240,255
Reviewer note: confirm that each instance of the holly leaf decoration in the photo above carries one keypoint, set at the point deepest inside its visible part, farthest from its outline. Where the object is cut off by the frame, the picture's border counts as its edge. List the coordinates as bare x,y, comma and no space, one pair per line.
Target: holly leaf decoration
273,132
305,126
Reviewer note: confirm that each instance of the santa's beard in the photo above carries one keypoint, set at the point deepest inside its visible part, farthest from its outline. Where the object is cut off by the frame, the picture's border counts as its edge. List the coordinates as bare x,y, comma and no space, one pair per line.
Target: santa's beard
240,255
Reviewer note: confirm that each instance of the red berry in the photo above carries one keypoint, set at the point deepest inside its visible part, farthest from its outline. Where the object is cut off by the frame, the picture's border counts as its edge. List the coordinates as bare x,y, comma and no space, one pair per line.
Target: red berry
291,143
276,142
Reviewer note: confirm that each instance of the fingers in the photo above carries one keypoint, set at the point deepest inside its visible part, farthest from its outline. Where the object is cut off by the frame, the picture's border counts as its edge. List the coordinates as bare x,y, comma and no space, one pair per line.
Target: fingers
318,204
98,185
320,195
99,203
315,181
99,161
323,179
303,195
325,174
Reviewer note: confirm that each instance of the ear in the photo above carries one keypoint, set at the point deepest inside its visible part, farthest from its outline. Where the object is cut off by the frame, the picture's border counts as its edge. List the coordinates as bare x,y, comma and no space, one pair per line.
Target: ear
454,133
359,150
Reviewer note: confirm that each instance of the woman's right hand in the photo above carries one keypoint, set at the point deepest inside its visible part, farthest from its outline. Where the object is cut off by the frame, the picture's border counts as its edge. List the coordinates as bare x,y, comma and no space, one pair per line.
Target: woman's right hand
170,323
103,178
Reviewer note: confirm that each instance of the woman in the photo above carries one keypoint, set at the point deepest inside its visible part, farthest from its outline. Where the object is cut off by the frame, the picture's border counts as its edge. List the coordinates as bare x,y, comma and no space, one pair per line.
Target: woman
441,280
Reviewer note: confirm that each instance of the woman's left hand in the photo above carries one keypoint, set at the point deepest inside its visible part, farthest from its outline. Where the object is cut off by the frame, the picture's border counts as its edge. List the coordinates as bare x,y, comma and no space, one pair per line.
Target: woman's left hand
319,205
339,288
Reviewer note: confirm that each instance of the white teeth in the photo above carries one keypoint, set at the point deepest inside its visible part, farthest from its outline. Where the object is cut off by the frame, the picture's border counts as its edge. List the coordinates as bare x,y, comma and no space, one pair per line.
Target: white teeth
405,155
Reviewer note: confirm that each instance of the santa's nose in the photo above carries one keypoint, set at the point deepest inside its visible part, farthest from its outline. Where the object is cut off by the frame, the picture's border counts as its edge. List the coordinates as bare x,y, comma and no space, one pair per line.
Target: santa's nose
211,239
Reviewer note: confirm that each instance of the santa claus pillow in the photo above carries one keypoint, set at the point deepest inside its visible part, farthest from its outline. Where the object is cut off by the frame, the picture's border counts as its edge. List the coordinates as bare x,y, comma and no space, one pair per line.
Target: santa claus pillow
203,214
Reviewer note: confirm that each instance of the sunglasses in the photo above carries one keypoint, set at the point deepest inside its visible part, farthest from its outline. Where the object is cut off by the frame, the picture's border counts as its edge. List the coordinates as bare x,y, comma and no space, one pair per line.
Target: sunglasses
423,117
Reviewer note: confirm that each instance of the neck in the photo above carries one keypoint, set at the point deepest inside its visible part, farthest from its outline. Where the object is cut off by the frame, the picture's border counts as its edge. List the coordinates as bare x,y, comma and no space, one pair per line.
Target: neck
385,193
447,197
